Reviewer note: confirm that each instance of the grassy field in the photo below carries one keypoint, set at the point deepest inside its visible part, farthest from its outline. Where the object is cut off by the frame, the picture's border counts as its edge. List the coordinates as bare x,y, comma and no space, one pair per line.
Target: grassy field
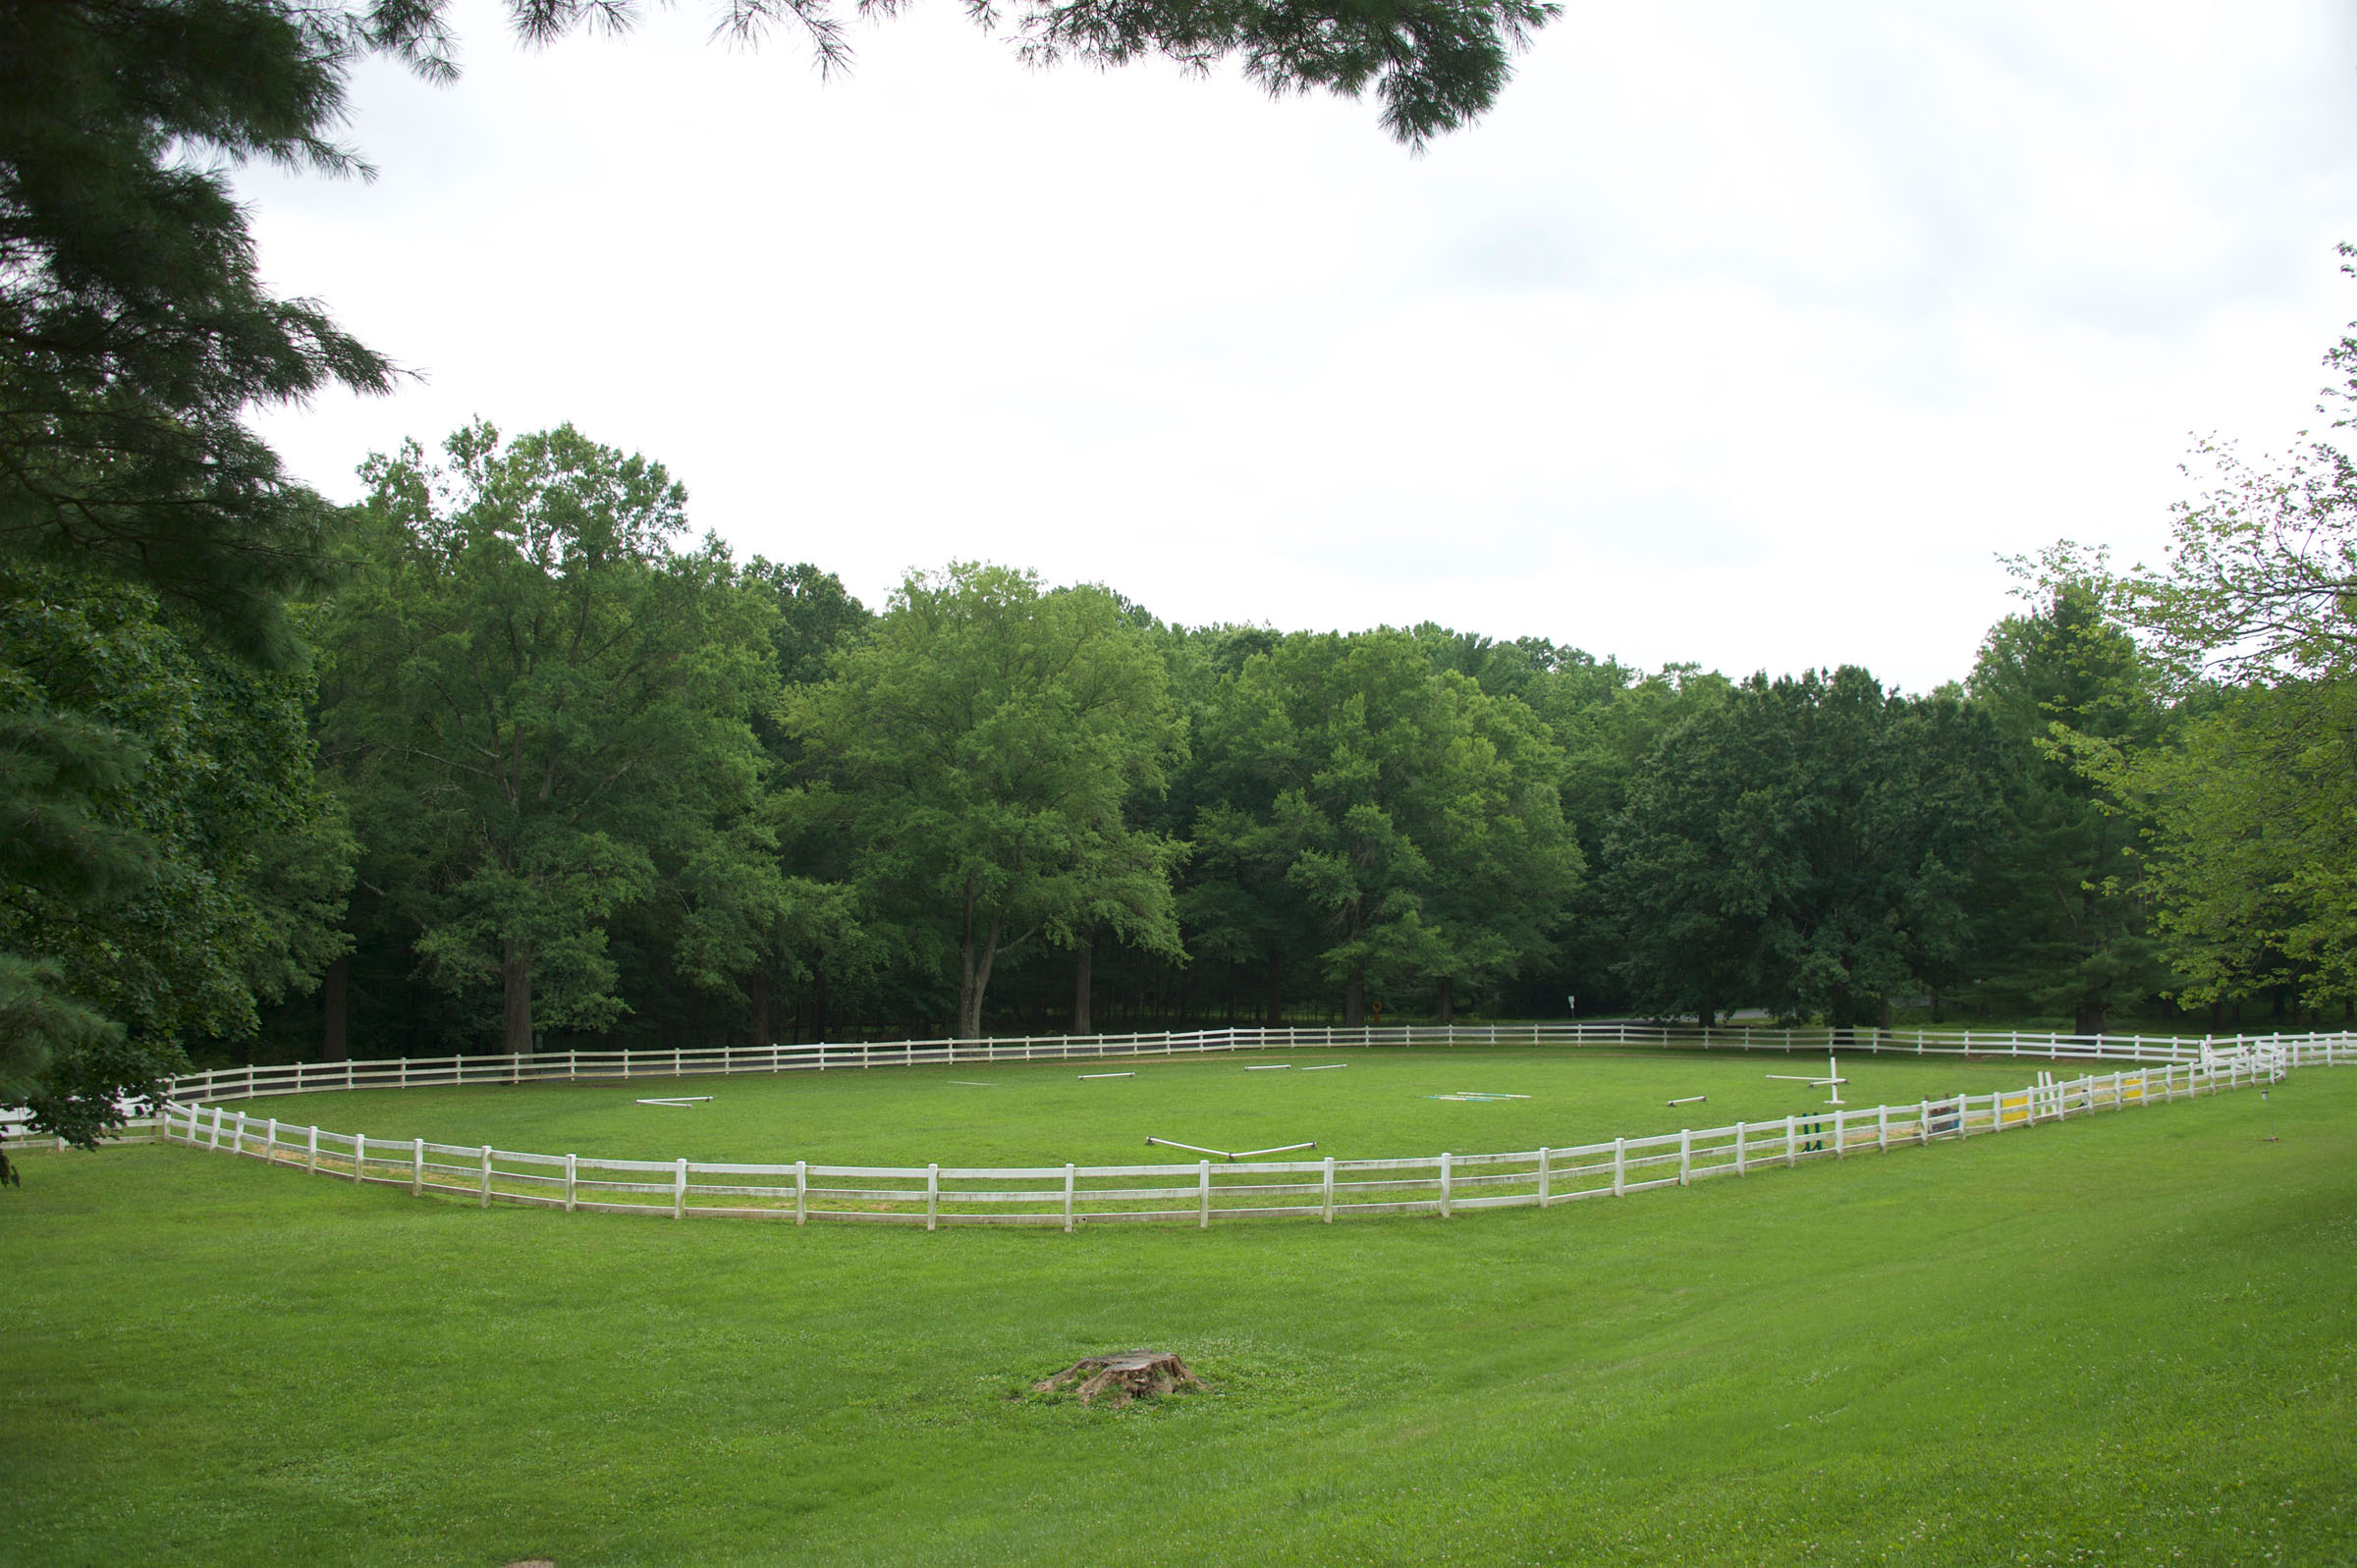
2131,1339
1378,1105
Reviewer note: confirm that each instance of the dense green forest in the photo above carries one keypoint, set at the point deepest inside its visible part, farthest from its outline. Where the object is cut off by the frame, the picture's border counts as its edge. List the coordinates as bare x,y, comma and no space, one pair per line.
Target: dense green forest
506,755
559,771
550,769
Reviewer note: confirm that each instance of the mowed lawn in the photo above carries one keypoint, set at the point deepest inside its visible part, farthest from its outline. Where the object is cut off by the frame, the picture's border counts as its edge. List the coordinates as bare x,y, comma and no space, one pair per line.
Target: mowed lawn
1377,1103
2130,1339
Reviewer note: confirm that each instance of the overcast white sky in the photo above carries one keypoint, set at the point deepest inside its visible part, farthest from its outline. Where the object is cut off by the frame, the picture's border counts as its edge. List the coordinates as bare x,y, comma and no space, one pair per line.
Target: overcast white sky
1745,334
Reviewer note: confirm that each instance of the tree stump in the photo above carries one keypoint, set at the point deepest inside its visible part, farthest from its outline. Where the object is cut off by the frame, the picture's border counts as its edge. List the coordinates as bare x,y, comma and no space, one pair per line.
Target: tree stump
1126,1374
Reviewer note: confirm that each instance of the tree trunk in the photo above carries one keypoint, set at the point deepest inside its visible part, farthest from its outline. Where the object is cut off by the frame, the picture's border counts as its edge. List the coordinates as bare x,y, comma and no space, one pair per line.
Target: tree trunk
1355,1001
336,1003
1275,992
974,960
760,992
2092,1019
1709,1009
516,981
1081,960
1448,998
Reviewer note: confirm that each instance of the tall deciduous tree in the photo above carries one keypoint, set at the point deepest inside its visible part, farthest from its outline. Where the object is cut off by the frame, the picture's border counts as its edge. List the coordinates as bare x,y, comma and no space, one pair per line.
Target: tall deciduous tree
1607,717
2252,622
546,707
155,887
2065,927
2252,864
1804,845
1390,821
984,746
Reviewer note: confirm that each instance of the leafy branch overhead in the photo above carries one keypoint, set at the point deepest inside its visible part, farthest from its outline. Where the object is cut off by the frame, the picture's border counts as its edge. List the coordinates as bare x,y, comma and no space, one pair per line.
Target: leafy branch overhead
1435,65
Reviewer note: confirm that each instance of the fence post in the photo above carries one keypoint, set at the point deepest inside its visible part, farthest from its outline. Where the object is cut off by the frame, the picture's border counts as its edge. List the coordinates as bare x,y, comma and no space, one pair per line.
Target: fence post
1326,1192
310,1165
1546,1174
1739,1148
487,1185
418,1167
679,1191
271,1141
1446,1160
1840,1140
802,1191
932,1194
1685,1156
1881,1129
571,1178
1068,1195
1620,1167
1923,1123
216,1143
1791,1141
1203,1195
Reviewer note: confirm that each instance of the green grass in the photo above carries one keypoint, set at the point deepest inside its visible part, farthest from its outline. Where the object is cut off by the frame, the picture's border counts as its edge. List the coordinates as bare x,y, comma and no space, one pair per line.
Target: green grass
1377,1107
2130,1340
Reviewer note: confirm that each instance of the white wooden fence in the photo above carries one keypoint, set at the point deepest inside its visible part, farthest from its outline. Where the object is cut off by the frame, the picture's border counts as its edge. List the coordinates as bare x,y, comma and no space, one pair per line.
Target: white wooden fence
406,1072
1069,1195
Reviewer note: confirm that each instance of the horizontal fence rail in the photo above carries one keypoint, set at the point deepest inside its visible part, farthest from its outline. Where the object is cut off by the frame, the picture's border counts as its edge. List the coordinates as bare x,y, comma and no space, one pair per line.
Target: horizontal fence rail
547,1066
1070,1195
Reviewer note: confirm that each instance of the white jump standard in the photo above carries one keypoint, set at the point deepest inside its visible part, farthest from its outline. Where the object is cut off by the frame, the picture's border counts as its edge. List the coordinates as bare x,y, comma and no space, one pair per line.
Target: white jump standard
1833,1079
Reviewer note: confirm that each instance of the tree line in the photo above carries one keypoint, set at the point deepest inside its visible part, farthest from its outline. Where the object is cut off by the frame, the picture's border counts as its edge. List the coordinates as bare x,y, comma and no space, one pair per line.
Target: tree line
559,773
506,754
170,858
